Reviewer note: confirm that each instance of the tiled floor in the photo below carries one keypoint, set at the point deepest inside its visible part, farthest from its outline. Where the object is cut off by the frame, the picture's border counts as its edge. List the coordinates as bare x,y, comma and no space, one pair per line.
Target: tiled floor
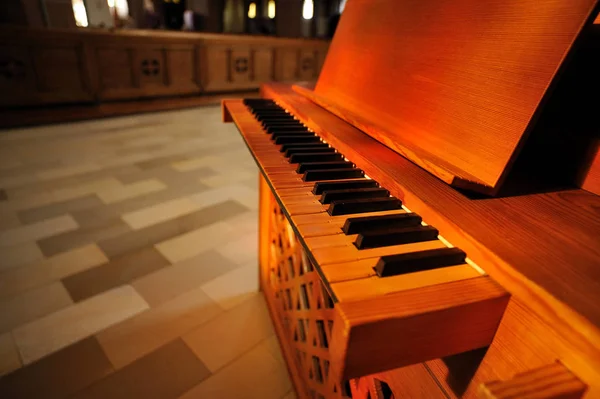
128,262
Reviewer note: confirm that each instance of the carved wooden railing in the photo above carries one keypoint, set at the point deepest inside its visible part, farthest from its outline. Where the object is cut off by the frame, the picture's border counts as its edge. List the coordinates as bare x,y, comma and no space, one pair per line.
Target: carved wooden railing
47,66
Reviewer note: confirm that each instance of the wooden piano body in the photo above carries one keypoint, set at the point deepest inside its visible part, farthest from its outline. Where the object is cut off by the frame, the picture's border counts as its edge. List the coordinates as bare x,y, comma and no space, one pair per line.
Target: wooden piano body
430,211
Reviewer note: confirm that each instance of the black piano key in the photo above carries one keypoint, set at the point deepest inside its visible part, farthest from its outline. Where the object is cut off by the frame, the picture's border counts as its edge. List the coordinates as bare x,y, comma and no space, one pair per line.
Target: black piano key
286,128
292,146
260,103
297,139
354,193
274,136
304,157
266,123
393,265
332,174
347,207
373,223
283,118
395,236
303,167
269,112
285,122
312,149
323,186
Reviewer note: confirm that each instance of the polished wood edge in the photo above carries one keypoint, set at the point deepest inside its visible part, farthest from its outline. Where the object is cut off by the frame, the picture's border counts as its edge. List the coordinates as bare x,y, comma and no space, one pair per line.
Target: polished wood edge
133,34
571,325
225,114
416,325
553,381
590,181
445,172
264,214
237,109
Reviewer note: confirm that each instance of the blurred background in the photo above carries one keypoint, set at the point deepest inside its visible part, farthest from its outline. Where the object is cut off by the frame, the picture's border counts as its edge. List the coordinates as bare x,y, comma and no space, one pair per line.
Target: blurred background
284,18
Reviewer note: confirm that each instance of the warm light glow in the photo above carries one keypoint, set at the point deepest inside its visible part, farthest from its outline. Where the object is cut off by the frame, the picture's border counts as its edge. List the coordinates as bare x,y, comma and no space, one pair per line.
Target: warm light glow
271,9
308,9
80,13
120,7
342,6
252,11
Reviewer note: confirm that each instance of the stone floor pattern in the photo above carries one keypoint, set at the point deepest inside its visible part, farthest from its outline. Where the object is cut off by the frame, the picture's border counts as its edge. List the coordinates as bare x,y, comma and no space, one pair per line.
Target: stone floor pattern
128,263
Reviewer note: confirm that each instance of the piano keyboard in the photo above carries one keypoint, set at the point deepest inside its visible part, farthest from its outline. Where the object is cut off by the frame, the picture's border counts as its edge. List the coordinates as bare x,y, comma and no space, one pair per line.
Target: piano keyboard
394,241
400,294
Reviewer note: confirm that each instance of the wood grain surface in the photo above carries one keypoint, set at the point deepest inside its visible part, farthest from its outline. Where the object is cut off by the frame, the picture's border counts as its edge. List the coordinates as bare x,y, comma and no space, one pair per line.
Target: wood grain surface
412,326
522,343
542,248
553,381
454,86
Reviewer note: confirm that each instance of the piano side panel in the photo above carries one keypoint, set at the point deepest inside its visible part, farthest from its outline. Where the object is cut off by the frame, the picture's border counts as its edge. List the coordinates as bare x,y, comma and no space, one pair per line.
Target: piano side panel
523,342
300,307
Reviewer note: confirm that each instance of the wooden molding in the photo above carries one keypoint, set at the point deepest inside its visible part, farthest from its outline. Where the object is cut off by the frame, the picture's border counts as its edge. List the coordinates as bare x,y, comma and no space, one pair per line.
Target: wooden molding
553,381
413,326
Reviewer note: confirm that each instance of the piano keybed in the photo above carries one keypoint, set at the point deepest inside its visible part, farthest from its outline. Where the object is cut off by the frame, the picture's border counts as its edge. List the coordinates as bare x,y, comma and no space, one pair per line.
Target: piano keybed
352,277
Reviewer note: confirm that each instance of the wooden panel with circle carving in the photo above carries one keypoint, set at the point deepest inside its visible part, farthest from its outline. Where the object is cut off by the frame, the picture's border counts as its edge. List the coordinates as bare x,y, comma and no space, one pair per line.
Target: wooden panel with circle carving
307,65
152,67
240,65
16,71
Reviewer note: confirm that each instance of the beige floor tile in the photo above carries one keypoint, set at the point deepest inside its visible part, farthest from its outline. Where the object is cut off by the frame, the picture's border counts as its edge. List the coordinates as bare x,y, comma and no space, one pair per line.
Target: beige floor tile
31,305
240,193
190,244
234,287
272,344
20,254
233,333
60,329
137,239
170,282
84,235
112,195
47,197
17,280
92,187
70,183
148,140
59,208
39,230
58,375
159,213
165,373
66,171
194,163
244,223
9,220
9,356
129,340
241,250
256,374
120,270
18,180
229,178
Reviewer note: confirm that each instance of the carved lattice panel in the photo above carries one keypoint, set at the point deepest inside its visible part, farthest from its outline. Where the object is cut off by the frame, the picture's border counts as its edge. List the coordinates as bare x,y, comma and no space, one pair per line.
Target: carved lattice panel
303,311
300,305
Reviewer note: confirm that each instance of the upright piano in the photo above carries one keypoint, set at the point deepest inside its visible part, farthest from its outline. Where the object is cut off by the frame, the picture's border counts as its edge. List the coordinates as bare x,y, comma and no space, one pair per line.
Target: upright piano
430,209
